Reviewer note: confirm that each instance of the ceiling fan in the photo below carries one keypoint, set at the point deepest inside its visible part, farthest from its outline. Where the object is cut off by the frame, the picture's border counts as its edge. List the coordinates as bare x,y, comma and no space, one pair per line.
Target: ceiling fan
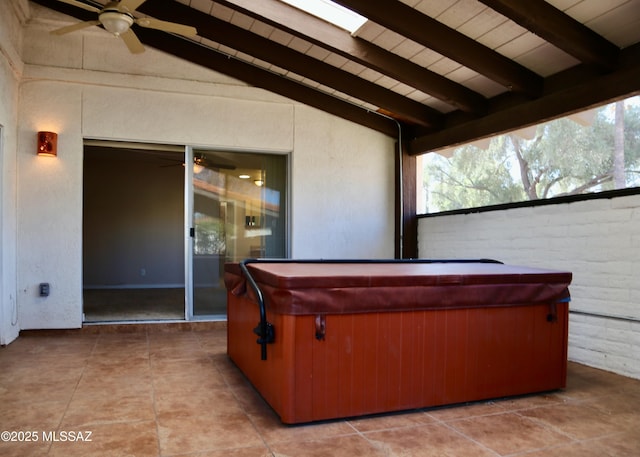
117,17
200,162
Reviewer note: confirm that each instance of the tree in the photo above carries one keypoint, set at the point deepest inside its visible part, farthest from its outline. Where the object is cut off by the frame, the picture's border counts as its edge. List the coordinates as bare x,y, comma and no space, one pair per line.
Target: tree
563,158
619,178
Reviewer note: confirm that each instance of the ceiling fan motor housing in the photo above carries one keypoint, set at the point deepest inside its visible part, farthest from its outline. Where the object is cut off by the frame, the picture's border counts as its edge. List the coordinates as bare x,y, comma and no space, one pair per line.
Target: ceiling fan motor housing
115,21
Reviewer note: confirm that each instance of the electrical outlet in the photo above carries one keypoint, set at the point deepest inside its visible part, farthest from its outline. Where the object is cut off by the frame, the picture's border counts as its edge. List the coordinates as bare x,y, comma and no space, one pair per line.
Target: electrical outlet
44,289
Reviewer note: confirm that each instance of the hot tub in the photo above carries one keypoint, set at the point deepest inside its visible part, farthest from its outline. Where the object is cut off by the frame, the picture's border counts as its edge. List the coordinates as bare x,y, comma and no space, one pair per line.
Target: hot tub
334,339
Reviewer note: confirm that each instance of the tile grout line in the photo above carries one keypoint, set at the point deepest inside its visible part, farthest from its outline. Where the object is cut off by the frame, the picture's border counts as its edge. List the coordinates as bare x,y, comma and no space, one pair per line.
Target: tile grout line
244,410
573,439
229,388
458,432
75,388
153,393
468,438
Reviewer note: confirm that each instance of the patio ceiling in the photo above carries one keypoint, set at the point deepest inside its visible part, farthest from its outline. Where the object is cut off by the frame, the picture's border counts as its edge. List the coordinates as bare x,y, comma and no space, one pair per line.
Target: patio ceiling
445,71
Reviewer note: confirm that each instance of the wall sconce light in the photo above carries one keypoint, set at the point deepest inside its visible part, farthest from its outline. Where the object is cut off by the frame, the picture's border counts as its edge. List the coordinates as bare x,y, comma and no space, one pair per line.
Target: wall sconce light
258,182
47,144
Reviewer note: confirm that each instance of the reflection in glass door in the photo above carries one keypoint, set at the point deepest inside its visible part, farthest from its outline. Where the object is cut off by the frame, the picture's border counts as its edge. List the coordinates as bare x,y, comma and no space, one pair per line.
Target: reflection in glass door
239,211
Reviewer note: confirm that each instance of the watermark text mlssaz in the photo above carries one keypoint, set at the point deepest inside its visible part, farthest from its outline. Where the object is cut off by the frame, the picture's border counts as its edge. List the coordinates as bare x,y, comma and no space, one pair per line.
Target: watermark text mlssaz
48,436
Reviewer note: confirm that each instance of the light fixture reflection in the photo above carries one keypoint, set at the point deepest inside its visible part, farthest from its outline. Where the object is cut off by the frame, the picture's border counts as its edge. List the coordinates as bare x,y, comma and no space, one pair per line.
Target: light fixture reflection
198,164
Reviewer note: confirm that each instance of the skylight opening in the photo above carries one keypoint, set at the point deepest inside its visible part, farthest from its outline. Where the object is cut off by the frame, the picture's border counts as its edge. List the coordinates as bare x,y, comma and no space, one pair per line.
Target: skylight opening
331,12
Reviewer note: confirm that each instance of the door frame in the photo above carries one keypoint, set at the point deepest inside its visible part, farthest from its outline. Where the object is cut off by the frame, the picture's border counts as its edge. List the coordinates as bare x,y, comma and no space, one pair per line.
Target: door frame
189,225
188,233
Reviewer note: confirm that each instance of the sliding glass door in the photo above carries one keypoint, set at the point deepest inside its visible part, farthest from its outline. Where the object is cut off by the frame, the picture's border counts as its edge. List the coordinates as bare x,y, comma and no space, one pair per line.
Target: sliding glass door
238,209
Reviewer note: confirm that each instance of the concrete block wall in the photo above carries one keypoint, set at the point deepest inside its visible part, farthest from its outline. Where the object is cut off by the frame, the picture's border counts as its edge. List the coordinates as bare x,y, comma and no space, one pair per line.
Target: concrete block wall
597,240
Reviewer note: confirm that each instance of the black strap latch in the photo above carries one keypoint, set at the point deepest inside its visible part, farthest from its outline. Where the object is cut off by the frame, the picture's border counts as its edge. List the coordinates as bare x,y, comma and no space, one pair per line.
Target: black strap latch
553,313
321,327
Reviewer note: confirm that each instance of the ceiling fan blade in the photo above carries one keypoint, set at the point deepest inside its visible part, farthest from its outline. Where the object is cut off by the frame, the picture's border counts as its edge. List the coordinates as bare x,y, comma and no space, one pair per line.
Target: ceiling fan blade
132,42
130,5
84,6
165,26
74,27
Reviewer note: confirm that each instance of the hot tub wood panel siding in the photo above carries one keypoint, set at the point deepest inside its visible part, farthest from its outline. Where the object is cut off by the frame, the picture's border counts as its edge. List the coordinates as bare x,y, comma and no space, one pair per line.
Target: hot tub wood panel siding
379,362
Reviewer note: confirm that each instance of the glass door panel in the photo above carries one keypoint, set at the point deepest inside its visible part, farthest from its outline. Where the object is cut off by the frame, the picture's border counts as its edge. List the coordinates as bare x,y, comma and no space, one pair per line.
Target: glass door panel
239,211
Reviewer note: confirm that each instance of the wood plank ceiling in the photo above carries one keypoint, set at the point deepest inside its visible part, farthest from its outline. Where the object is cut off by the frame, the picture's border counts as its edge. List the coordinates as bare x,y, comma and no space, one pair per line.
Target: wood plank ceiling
444,71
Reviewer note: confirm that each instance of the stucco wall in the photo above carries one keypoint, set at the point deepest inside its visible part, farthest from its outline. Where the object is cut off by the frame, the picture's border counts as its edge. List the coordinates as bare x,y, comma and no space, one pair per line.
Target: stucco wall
86,85
11,13
342,183
597,240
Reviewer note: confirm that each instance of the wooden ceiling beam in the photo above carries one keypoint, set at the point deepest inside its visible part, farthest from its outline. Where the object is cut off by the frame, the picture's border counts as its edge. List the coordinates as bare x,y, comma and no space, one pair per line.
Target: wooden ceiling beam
407,21
296,62
335,40
559,29
573,90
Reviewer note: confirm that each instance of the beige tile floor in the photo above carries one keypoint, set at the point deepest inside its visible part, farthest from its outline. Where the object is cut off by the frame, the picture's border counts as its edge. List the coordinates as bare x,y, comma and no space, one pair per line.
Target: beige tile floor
155,391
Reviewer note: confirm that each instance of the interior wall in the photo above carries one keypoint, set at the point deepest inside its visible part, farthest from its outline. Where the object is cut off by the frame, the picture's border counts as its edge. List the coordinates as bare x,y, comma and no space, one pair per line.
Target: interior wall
133,230
342,174
597,240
